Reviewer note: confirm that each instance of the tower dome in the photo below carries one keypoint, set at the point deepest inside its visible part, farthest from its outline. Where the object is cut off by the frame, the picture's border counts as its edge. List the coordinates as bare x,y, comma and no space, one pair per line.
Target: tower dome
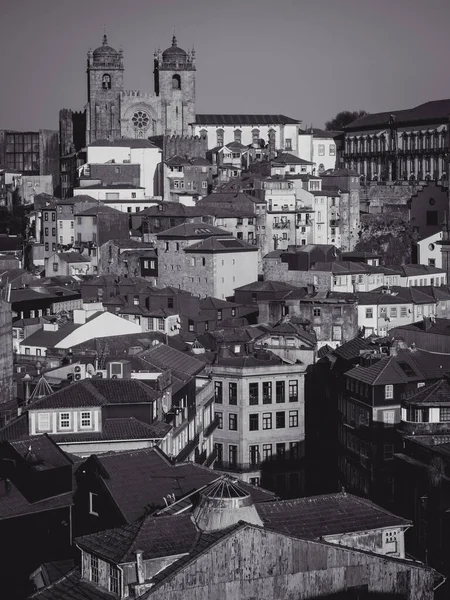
174,54
224,503
105,54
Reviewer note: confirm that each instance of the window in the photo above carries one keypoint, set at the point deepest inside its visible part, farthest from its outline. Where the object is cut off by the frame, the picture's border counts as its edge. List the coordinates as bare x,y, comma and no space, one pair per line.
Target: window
232,393
337,311
393,313
388,392
369,313
281,450
253,452
280,420
55,267
267,421
219,451
388,451
93,508
431,262
403,311
280,392
54,231
444,414
389,416
44,421
267,392
113,579
218,389
254,422
294,450
160,324
94,569
46,216
267,451
232,422
332,150
293,418
219,134
316,312
253,392
337,333
232,455
432,218
86,420
46,231
321,149
64,420
293,391
288,144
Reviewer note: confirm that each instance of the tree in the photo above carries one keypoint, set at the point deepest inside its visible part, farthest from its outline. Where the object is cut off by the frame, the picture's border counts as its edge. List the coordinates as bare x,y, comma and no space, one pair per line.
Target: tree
344,118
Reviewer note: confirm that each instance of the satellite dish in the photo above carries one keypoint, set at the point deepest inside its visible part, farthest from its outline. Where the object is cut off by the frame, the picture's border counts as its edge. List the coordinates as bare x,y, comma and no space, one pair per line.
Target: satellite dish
90,370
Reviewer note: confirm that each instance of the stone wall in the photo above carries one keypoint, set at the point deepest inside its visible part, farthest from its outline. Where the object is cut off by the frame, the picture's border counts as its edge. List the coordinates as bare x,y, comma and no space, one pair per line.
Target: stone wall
389,234
275,270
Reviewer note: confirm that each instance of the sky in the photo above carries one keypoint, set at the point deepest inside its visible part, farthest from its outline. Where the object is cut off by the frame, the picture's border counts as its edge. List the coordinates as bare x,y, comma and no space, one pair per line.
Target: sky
305,59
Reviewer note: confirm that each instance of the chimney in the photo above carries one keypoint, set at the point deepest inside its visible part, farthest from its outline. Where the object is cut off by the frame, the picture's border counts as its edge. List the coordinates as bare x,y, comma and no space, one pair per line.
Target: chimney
140,569
426,323
79,316
311,288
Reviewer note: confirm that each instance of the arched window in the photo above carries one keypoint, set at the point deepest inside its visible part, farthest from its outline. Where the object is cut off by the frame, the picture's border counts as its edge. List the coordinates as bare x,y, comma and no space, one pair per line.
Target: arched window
203,134
106,82
220,134
176,82
321,168
255,137
237,135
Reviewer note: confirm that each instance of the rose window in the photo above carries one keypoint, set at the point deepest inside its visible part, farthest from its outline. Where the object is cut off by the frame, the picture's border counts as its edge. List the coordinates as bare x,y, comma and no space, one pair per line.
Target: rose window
140,119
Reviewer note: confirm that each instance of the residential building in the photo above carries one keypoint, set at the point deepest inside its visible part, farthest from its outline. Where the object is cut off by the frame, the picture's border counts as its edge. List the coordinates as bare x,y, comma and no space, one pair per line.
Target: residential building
226,520
36,505
68,264
404,145
126,198
412,275
327,217
32,302
129,258
429,251
162,216
259,403
186,180
229,161
319,147
6,360
185,251
274,132
287,164
426,334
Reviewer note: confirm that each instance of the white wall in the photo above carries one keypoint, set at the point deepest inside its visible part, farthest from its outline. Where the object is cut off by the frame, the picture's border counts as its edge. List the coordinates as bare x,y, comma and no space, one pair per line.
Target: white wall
233,269
104,325
101,193
430,250
282,132
324,153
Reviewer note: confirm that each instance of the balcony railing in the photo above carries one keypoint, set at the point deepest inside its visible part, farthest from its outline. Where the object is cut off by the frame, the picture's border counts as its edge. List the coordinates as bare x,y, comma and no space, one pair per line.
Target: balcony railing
204,393
212,456
188,449
211,427
275,463
282,225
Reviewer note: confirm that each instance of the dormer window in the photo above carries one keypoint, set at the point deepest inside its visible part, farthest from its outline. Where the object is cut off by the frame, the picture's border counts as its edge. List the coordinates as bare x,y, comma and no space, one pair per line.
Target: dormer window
94,569
114,579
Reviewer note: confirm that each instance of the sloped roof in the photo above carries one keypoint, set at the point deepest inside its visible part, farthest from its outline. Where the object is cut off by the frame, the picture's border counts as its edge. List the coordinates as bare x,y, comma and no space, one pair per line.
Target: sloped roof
265,286
438,327
315,517
177,161
43,449
124,143
126,428
215,244
171,209
240,119
164,357
49,339
351,349
100,209
72,257
193,231
286,158
14,504
72,586
436,394
434,110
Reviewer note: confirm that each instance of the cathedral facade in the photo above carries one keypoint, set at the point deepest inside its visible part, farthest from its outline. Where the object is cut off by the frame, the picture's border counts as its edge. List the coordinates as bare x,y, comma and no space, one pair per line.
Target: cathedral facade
112,112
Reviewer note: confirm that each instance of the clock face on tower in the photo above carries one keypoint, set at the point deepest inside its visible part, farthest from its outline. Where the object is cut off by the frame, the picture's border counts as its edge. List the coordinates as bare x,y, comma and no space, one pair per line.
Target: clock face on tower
141,121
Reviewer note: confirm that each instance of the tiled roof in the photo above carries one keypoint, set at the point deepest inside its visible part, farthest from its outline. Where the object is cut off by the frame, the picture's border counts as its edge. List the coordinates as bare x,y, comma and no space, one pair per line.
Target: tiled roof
48,339
231,196
132,244
416,270
14,504
73,587
383,372
436,110
289,159
113,186
155,536
163,356
210,303
125,143
100,209
139,480
127,428
41,448
436,394
193,231
171,209
200,161
97,392
265,286
351,349
177,161
244,120
438,327
10,242
72,257
215,244
315,517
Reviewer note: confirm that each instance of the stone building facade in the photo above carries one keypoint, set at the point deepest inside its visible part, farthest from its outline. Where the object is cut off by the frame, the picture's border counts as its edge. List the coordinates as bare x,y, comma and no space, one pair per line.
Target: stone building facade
112,112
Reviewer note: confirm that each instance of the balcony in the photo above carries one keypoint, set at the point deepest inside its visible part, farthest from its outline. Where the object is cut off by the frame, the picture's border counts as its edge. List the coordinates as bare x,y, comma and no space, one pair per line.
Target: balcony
204,393
210,459
188,449
275,463
282,225
211,427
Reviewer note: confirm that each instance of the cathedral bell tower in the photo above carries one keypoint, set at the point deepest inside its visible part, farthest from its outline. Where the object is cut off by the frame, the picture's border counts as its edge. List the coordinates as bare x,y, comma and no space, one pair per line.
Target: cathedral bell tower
175,85
105,84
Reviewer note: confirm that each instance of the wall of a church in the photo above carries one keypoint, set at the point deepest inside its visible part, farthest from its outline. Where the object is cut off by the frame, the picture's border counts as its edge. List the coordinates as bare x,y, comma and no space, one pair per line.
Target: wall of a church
140,114
177,92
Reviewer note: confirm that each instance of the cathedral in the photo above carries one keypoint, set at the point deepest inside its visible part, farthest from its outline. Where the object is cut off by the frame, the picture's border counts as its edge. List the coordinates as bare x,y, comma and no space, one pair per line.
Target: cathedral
112,112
